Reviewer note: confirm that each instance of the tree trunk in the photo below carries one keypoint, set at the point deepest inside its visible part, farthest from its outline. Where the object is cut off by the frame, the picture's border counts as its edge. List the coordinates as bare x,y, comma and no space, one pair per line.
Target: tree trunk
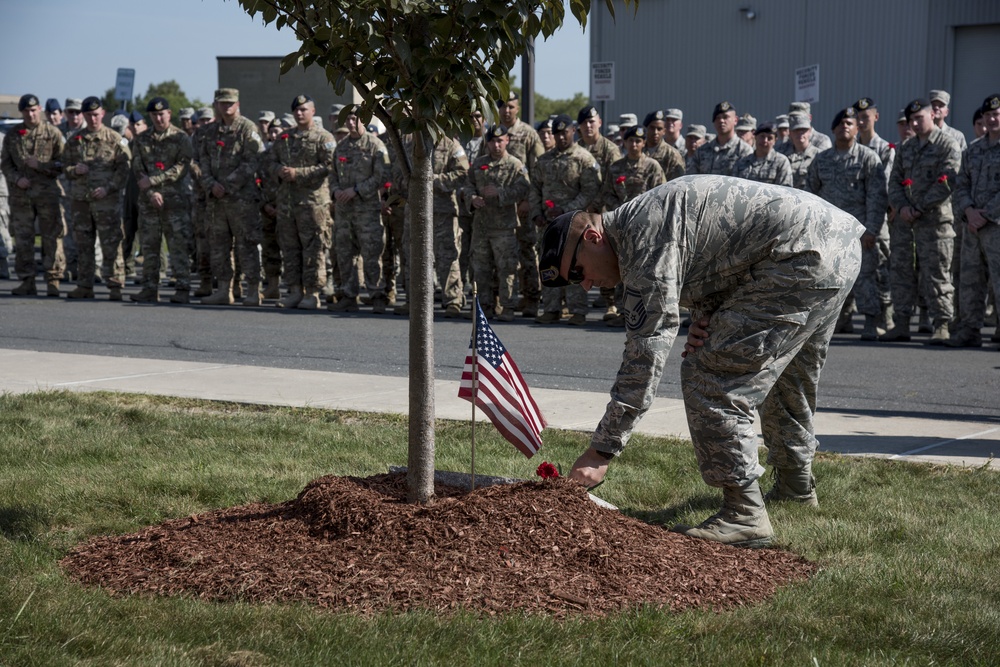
420,297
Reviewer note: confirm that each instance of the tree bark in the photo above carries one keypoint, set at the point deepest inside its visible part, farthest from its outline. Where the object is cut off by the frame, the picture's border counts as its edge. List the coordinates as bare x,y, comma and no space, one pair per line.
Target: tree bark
420,298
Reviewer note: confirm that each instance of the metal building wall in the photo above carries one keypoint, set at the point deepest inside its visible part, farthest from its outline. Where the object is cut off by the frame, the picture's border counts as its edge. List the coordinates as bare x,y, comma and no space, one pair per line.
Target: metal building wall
692,54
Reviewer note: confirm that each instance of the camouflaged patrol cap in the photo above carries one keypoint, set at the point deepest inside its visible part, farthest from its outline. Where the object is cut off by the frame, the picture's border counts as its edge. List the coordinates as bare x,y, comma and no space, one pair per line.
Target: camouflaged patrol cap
612,130
915,106
74,104
746,123
902,116
265,116
799,121
227,95
288,120
653,116
495,131
799,107
675,114
561,123
205,112
636,131
26,102
187,113
849,112
781,121
695,131
991,103
157,104
864,103
553,245
722,108
300,100
940,96
90,104
51,105
586,113
626,120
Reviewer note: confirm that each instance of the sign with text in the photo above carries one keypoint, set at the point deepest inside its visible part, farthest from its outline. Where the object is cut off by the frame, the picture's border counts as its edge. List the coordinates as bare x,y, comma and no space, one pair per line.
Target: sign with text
807,84
602,82
123,84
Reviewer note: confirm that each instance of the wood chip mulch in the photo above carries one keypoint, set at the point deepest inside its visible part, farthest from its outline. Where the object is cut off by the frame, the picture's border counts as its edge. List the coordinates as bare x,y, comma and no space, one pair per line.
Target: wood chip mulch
354,545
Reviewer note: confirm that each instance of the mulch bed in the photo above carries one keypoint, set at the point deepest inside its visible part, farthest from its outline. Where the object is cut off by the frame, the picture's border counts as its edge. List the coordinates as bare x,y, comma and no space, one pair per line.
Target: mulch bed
354,545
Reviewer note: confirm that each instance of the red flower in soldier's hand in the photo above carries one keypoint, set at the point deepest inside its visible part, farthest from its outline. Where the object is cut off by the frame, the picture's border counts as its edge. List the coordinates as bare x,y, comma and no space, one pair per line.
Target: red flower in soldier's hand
907,183
342,159
160,166
892,146
549,203
220,144
943,178
484,167
22,131
258,182
387,185
284,136
547,471
620,179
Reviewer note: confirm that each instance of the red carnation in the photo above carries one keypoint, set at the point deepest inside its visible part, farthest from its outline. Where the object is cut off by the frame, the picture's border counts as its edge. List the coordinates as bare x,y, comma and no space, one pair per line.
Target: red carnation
547,471
892,146
620,179
22,131
258,182
220,144
342,159
284,136
160,166
387,185
907,183
943,178
484,167
549,203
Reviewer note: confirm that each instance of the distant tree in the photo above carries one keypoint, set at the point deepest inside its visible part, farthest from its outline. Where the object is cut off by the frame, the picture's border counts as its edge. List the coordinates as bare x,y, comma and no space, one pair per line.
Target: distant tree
545,107
422,67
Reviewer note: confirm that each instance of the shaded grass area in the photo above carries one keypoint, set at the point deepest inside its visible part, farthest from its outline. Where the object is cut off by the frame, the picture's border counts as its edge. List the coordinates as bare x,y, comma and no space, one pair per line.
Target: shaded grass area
910,553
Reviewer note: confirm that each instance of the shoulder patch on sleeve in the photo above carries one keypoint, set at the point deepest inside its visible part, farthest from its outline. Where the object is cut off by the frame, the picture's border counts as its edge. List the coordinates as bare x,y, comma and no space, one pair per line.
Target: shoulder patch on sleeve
124,142
330,145
635,309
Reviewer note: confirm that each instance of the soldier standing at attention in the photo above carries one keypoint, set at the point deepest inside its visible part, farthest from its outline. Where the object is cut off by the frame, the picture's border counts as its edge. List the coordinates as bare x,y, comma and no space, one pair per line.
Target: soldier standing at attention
720,155
299,163
920,191
228,158
694,137
161,163
851,177
496,182
360,168
764,165
31,161
199,210
544,130
817,139
474,148
802,152
782,131
940,100
527,147
745,127
565,179
669,158
97,163
673,121
764,270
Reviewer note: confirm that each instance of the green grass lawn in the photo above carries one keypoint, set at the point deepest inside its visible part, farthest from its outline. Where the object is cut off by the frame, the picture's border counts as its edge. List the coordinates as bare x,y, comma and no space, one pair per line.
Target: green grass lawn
910,554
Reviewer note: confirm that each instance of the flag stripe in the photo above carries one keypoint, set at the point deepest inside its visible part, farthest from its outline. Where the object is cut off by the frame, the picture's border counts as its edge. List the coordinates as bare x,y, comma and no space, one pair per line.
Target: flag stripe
500,405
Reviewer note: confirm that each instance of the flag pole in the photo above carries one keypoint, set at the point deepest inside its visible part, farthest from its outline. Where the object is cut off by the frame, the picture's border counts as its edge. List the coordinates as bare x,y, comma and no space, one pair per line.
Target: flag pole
475,376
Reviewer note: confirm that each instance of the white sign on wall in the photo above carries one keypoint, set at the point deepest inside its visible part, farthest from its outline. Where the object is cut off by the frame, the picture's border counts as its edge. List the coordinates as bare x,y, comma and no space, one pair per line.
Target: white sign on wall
807,84
602,82
123,85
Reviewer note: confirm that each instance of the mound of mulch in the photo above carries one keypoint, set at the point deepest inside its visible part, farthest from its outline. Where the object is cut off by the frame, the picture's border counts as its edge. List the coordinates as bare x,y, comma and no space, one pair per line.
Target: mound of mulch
351,544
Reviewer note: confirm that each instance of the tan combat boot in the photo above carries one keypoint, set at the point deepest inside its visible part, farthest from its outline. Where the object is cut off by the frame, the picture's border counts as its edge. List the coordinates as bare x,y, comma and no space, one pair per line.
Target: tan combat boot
611,313
204,288
26,288
220,297
899,333
52,288
273,290
742,521
795,485
310,300
941,334
293,297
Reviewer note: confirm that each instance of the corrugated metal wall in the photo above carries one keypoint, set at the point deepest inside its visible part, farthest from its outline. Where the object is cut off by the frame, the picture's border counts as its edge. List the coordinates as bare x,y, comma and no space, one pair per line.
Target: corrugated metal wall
692,54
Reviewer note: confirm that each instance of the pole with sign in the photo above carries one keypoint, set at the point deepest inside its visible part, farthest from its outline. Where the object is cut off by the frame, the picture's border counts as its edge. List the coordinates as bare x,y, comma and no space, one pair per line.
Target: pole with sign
123,85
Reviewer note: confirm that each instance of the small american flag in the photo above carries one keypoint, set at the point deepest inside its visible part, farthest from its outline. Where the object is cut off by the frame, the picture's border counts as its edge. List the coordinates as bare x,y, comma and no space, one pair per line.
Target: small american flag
502,392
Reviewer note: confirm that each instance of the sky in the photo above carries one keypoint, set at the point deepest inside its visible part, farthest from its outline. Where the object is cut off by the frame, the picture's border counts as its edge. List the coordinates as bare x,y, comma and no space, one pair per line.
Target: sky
74,48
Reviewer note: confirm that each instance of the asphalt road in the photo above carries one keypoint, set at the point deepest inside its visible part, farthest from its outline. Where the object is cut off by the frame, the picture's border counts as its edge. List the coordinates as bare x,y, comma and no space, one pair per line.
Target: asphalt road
909,379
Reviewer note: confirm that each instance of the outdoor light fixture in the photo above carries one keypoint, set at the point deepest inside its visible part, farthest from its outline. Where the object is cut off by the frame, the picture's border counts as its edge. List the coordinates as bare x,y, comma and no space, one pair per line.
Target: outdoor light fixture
749,13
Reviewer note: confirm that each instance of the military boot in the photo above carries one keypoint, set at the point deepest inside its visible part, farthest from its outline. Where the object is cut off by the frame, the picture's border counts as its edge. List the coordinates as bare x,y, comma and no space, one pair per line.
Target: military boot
793,484
899,333
548,318
924,325
52,288
845,323
204,288
611,313
252,296
220,297
181,295
941,334
870,332
310,300
402,309
237,290
345,304
26,288
617,323
273,290
742,521
529,309
577,320
293,298
379,304
114,293
884,318
453,311
81,292
966,338
146,295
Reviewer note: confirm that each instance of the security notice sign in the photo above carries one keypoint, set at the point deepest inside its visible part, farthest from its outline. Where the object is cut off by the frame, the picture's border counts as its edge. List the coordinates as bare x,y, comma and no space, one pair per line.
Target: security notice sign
602,82
123,85
807,84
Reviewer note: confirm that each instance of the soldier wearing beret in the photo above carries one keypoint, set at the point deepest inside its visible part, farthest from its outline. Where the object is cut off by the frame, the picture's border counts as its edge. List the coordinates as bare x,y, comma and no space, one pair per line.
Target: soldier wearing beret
544,130
764,270
299,163
31,161
720,155
494,185
97,164
54,114
228,158
669,158
764,165
161,162
920,188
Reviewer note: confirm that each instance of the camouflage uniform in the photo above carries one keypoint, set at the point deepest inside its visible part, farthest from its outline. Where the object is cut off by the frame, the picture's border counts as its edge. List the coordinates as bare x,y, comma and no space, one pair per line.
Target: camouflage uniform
773,168
924,163
627,179
799,164
978,186
854,181
719,159
165,158
770,268
605,152
5,241
270,246
526,146
670,159
494,226
41,200
450,165
955,135
570,180
361,164
393,194
472,150
304,227
107,155
229,156
199,217
887,154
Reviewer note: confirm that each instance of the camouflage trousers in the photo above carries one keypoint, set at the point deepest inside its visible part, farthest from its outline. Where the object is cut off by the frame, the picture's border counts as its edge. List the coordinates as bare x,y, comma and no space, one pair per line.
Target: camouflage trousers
769,341
202,254
304,234
980,270
494,259
465,269
93,221
932,245
527,255
445,240
270,247
173,223
359,233
234,226
395,255
24,210
574,296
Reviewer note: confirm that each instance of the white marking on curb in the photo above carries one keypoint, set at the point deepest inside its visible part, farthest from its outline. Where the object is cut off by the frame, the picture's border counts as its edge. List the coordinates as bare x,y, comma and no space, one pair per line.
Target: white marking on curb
137,375
943,442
